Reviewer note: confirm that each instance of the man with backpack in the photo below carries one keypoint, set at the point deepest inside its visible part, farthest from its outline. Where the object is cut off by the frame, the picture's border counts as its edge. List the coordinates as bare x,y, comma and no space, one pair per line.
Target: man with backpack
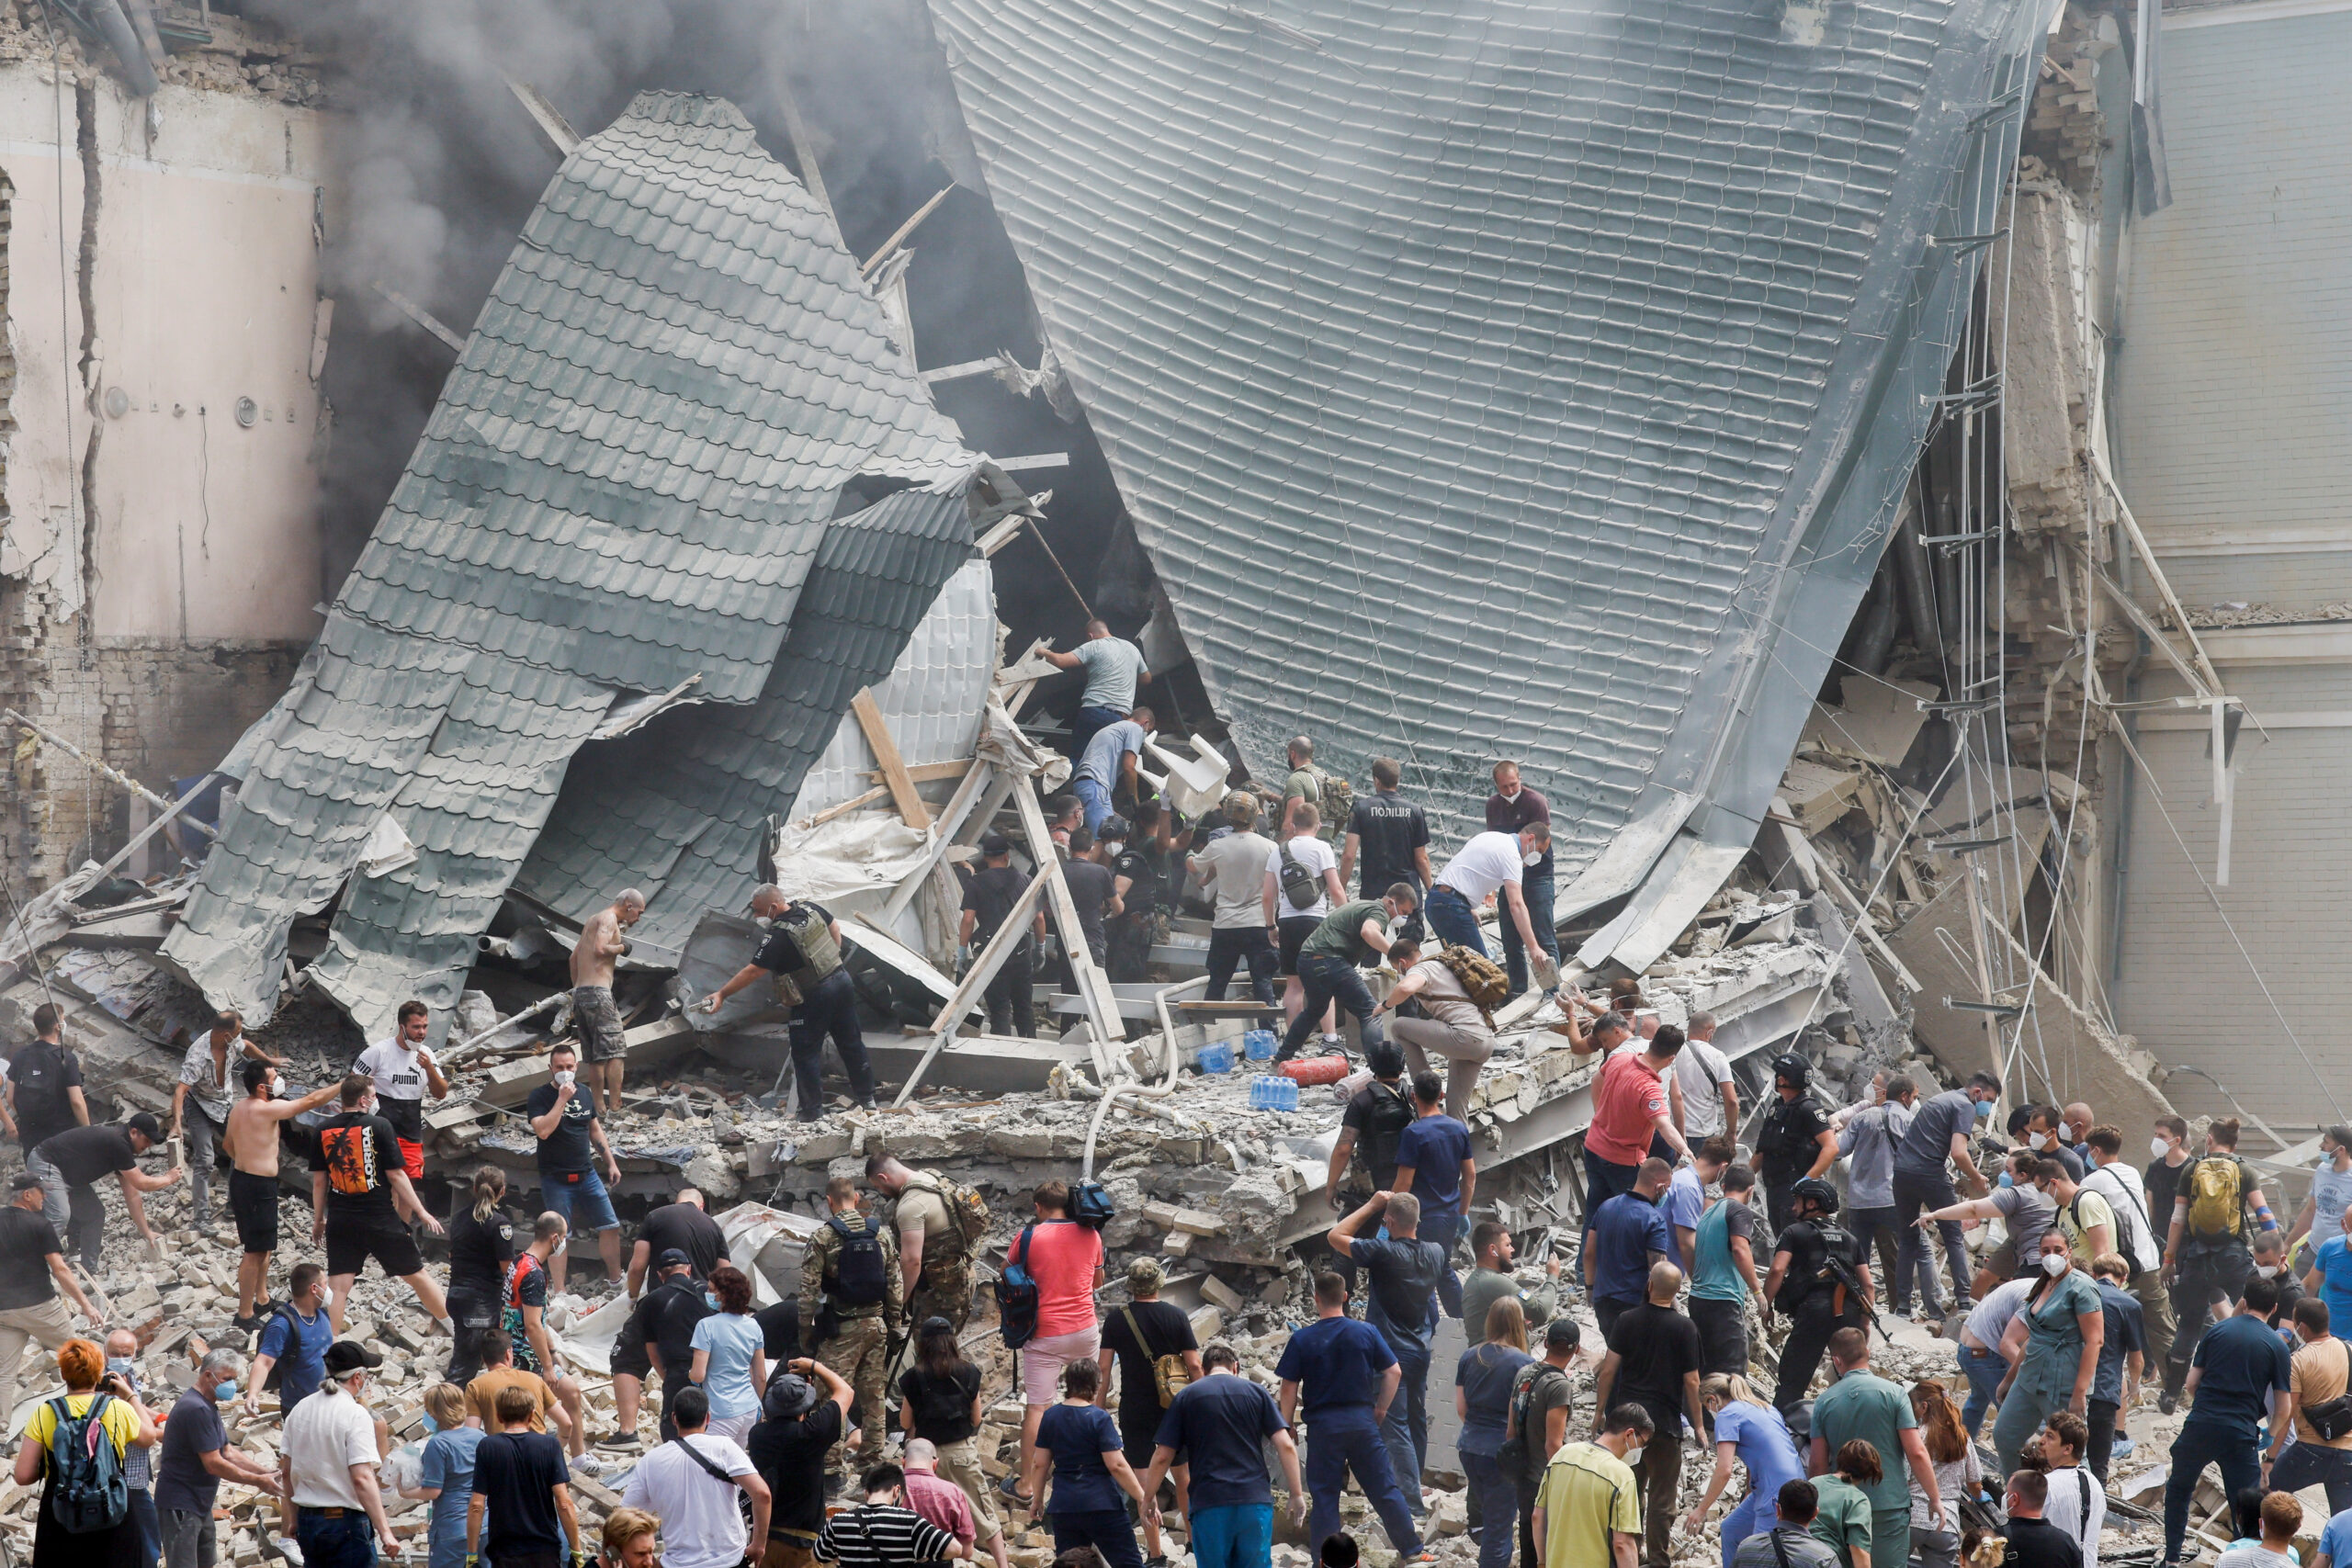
1333,797
851,1285
1820,1282
294,1342
1157,1357
1541,1396
1404,1271
1455,992
327,1466
1363,1158
2205,1249
45,1083
939,1222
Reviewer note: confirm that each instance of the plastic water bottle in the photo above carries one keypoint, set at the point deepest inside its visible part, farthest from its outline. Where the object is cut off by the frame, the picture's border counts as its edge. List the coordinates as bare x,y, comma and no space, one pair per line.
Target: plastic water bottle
1218,1056
1268,1092
1259,1044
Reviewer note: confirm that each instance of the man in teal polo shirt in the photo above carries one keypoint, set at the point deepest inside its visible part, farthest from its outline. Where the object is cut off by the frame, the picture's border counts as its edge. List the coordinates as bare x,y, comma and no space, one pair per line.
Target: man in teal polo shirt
1863,1405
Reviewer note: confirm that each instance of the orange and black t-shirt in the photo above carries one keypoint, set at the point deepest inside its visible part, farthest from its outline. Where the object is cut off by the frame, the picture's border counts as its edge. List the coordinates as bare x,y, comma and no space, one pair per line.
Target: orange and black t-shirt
357,1153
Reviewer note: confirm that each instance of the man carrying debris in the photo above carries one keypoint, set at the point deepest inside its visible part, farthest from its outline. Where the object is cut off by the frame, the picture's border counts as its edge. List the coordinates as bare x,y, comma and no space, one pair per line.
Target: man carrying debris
1348,1377
802,952
68,1163
1114,668
250,1138
403,1070
990,898
327,1467
1331,958
1404,1272
1511,808
359,1194
1231,874
938,1223
195,1456
572,1139
851,1286
1796,1143
1390,833
1108,766
32,1271
594,1015
1491,863
1820,1282
45,1083
205,1078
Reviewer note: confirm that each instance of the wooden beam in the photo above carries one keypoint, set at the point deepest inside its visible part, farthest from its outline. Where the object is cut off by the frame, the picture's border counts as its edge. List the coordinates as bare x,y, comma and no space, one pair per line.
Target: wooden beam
928,772
951,822
893,767
122,855
115,776
984,968
845,807
899,237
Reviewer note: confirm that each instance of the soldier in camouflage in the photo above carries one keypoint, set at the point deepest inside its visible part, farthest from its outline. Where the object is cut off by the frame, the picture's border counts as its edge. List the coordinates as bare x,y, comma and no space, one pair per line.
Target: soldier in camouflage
934,1259
855,1307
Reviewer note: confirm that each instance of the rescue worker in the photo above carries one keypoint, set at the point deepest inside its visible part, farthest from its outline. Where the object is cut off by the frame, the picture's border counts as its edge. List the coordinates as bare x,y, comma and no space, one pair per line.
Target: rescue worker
1820,1280
1796,1141
937,1223
803,952
850,1270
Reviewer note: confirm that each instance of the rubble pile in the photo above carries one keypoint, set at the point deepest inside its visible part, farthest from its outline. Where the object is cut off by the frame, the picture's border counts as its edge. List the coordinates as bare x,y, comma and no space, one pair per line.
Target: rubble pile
202,48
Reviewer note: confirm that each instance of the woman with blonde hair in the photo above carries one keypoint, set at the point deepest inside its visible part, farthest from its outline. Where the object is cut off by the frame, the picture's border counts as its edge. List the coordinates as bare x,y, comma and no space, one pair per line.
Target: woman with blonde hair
1482,1384
1935,1538
1751,1432
92,1395
445,1475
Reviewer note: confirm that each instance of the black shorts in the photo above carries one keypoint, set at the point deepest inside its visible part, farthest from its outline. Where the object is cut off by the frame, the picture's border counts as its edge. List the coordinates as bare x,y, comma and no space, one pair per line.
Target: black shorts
253,1202
629,1360
1294,930
352,1239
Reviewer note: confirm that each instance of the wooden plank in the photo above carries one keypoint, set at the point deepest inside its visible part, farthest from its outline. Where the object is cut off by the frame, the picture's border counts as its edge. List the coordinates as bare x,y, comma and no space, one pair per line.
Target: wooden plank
929,773
845,807
893,766
951,823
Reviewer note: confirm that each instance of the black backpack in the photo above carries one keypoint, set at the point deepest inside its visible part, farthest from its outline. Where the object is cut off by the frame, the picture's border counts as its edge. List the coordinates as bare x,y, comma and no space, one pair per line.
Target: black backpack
858,1279
1016,1295
1091,1205
1516,1457
39,1073
1383,1129
87,1489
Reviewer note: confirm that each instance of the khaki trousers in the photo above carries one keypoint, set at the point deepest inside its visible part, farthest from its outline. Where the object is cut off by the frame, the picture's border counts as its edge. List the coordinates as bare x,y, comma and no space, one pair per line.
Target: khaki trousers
960,1463
48,1325
1465,1050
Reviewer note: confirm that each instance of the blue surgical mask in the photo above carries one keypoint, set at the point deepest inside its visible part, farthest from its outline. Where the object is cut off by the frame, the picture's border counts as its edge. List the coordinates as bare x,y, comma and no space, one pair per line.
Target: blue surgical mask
120,1365
1983,1111
431,1426
228,1391
712,1297
2090,1158
2007,1181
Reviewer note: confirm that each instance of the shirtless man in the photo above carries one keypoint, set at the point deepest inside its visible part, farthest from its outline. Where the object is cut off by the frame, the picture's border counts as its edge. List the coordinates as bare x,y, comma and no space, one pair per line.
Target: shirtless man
604,1054
251,1145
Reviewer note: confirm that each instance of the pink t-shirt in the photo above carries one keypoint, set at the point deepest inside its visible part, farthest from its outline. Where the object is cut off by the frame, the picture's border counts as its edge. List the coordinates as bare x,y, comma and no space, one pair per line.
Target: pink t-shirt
1626,1104
1062,1256
940,1501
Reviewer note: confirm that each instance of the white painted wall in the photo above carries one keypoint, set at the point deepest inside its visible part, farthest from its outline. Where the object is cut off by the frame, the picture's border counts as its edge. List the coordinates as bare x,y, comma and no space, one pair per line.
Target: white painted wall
206,285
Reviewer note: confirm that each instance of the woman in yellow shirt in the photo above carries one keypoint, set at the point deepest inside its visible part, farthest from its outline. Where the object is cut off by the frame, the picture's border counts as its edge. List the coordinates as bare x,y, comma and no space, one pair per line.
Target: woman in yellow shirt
127,1423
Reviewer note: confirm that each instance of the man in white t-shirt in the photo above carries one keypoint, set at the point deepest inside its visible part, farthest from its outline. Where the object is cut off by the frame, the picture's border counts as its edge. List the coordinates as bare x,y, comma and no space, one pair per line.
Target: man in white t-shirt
328,1458
1231,874
2077,1503
1291,921
1710,1097
403,1070
1490,864
689,1485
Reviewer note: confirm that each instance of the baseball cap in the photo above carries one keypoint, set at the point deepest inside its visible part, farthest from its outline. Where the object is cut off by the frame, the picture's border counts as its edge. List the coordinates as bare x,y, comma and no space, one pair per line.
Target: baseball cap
345,1357
145,1124
995,843
1113,827
673,1257
24,1181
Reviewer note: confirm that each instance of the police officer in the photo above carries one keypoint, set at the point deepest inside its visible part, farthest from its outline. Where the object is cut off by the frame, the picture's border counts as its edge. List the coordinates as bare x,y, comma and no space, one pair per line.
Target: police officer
848,1271
803,952
1795,1141
1820,1279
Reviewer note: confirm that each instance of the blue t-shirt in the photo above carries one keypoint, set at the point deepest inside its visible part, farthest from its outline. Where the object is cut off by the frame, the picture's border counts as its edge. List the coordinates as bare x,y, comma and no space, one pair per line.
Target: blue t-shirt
1686,1200
1760,1438
2126,1332
193,1431
2336,1538
1435,1146
300,1347
448,1463
1078,1436
2335,1264
732,1339
1626,1231
1221,1424
1337,1362
1485,1375
2242,1362
1100,762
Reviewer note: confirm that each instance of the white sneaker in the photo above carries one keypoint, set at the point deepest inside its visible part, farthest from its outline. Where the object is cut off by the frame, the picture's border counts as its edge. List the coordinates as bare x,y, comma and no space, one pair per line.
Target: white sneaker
587,1464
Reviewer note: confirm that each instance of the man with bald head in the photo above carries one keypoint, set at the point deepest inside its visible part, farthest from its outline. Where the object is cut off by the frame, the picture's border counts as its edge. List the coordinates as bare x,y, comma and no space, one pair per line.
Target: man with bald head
2075,1122
802,952
604,1051
1653,1361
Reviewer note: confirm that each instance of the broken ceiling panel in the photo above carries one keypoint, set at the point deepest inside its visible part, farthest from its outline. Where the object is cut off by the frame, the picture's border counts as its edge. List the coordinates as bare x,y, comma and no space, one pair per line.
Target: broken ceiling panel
624,487
1506,378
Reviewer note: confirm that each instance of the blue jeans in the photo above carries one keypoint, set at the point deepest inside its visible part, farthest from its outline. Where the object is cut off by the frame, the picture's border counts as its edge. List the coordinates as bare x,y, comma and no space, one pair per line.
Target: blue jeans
1086,724
1238,1536
1326,979
1985,1368
1106,1529
831,1010
1452,920
348,1541
1445,1230
1755,1515
2302,1464
1535,888
1913,1194
586,1195
2201,1443
1405,1429
1342,1440
1498,1516
1094,798
150,1526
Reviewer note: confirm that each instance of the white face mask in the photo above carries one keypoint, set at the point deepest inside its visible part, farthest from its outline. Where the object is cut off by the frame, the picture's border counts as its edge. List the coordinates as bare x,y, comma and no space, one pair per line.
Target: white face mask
2054,1263
2039,1140
2158,1148
1531,857
2267,1270
564,1078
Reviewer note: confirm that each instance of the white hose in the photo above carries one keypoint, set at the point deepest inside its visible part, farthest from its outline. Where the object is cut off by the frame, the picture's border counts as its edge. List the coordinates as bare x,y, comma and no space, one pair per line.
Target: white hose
1148,1094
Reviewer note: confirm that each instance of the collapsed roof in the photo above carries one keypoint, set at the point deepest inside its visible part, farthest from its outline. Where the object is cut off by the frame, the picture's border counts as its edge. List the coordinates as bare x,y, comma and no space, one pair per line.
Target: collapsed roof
1545,377
626,494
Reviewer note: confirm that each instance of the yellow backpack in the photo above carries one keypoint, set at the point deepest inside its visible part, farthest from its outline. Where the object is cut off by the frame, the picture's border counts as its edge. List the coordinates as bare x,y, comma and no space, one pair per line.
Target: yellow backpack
2216,1199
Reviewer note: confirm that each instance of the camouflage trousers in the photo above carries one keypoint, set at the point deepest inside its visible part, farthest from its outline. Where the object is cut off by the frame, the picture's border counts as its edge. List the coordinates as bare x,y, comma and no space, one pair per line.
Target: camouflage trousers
859,1355
944,1291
